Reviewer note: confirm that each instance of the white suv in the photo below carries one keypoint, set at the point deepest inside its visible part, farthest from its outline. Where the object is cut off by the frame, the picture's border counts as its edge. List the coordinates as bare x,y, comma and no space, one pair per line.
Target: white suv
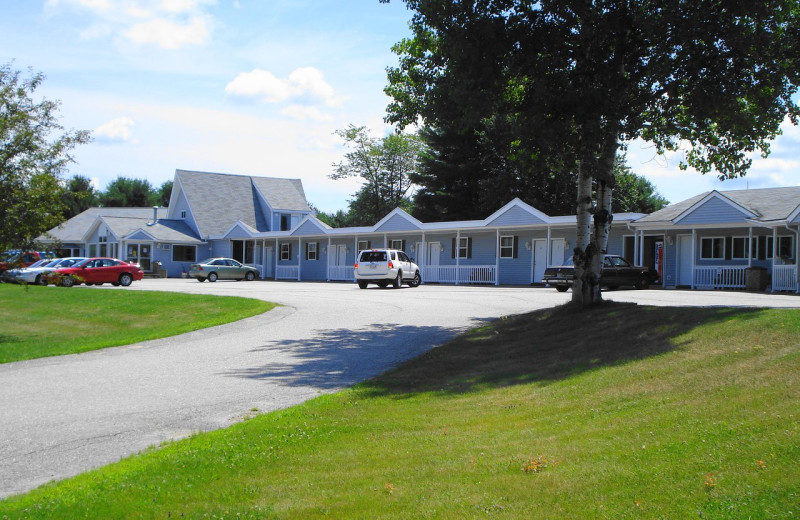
384,267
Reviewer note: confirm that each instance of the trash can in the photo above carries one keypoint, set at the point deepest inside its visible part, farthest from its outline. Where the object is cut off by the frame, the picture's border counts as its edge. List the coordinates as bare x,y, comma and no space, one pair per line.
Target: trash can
756,279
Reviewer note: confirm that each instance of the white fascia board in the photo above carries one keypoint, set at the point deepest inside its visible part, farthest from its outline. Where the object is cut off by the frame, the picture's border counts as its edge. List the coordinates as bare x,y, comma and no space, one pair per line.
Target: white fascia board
240,225
323,227
139,230
714,194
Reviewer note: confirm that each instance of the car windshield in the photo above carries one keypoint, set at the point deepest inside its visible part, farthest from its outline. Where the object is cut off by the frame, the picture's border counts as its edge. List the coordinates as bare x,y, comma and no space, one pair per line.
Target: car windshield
206,261
68,262
617,261
82,263
41,263
373,256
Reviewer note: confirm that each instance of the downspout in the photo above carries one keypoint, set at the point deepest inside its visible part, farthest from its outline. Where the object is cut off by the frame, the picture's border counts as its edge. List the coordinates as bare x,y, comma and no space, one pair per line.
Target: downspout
749,246
457,252
497,257
277,257
328,260
299,256
423,256
774,254
694,254
796,257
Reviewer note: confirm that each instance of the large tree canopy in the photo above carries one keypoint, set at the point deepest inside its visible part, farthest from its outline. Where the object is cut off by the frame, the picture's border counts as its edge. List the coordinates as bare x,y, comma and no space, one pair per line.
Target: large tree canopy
125,192
578,79
384,165
34,154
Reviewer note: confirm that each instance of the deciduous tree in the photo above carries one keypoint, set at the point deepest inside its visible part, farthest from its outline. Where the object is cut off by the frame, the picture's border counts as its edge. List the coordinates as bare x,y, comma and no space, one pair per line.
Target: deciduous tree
581,78
35,152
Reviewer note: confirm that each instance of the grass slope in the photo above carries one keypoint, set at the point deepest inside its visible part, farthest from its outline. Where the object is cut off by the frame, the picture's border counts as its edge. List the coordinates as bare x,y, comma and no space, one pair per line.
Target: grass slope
622,412
52,321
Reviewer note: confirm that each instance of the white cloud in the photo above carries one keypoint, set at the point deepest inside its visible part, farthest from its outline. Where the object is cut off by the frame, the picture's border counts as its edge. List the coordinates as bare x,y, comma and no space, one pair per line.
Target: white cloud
117,130
170,24
169,35
305,84
303,113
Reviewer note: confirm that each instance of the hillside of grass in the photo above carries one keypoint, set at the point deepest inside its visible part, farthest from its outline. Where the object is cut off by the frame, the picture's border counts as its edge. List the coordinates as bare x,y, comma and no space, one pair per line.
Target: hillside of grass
53,321
622,412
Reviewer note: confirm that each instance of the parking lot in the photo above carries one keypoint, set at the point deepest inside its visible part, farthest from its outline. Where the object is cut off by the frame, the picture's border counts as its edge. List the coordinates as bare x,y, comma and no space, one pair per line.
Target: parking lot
62,416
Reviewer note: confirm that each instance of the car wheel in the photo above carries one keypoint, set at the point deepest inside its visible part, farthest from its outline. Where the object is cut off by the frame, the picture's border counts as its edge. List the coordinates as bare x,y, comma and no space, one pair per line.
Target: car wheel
40,281
561,288
200,279
125,279
362,284
212,277
416,280
643,283
383,284
397,282
250,276
67,281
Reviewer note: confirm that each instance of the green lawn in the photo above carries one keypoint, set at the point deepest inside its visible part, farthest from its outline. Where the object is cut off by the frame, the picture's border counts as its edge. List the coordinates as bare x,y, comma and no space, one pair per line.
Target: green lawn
52,321
624,412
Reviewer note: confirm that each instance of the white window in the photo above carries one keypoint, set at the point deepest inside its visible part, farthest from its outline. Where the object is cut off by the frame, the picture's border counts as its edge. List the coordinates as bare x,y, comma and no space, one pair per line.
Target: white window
396,244
286,251
507,246
363,244
464,247
311,251
712,248
740,248
786,247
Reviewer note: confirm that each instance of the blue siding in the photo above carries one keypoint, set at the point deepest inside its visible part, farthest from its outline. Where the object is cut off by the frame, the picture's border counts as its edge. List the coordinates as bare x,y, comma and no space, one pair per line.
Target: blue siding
313,269
515,216
397,223
714,211
182,205
238,233
309,228
221,248
670,274
518,270
139,235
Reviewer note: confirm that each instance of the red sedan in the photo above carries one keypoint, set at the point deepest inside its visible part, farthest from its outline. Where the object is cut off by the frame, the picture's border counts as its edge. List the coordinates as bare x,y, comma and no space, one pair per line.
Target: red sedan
97,271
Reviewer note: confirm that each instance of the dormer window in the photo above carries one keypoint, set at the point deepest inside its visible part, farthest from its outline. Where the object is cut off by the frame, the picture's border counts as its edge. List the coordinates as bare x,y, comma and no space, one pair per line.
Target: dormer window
286,222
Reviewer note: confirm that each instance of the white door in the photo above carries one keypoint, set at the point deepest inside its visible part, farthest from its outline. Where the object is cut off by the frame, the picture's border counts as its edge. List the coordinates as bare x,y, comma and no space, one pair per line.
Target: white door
557,251
342,255
685,260
432,271
269,261
539,260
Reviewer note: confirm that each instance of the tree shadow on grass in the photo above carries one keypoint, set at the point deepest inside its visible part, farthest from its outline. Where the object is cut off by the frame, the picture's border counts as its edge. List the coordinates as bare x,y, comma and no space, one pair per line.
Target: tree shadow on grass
548,345
343,357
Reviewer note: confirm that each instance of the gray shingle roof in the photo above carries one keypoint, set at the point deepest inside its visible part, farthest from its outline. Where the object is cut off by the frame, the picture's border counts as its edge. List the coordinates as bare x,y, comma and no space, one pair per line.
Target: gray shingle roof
73,229
175,231
219,200
767,203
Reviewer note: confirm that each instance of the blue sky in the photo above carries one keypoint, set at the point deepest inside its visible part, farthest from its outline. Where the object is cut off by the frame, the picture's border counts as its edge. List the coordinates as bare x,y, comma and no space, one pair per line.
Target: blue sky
255,87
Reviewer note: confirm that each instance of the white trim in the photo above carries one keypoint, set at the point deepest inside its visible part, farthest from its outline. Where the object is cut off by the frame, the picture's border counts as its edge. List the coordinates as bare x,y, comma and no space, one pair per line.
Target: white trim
403,214
500,245
516,202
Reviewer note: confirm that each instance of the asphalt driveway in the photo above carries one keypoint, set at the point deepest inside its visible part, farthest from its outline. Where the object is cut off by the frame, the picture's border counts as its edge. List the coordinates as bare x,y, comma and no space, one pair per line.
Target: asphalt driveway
65,415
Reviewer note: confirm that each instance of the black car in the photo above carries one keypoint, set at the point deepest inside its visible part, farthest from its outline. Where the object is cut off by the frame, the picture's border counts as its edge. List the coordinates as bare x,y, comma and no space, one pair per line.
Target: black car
616,272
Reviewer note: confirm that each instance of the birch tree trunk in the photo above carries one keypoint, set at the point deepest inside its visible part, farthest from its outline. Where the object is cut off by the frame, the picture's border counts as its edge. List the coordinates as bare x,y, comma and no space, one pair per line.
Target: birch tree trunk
602,213
582,252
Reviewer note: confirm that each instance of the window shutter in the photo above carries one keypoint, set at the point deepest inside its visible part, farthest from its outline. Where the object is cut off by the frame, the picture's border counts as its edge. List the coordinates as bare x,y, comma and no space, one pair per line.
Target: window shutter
369,244
453,250
290,251
403,245
317,258
307,250
516,246
728,248
469,247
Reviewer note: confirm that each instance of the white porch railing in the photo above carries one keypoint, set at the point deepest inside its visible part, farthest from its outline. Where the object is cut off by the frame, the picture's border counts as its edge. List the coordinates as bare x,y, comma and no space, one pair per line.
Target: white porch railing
341,272
784,278
466,274
719,277
286,272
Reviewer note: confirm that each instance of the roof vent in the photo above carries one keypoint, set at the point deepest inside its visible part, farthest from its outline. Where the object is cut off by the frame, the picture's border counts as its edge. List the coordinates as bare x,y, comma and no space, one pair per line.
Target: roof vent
155,216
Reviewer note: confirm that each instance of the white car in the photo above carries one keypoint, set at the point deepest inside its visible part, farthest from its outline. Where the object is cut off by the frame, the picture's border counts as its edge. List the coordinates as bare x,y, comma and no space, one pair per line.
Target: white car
384,267
34,273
